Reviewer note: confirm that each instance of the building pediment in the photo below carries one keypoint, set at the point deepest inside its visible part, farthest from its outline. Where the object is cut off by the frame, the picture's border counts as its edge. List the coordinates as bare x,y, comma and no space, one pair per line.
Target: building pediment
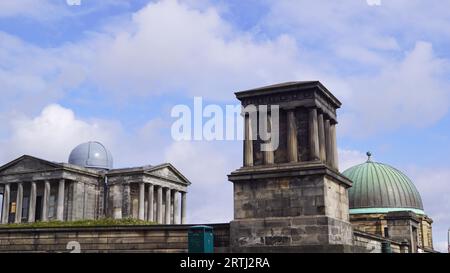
167,171
26,164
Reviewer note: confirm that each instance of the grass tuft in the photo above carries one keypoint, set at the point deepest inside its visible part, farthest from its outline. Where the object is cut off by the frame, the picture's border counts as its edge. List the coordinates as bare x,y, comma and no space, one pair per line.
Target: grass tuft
104,222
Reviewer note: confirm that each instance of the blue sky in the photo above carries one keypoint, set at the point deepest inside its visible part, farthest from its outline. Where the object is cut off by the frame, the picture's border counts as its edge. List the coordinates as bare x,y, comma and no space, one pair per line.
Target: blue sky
112,70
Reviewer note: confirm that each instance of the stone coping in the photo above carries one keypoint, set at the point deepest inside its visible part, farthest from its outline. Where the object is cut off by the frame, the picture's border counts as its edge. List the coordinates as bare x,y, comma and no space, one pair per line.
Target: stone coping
287,170
109,228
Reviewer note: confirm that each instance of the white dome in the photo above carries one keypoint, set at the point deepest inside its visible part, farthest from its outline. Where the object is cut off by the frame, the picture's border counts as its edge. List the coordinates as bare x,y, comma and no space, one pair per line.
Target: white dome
91,154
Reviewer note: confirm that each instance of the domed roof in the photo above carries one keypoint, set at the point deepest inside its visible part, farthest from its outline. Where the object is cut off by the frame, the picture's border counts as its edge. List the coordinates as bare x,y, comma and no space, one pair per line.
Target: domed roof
380,188
91,154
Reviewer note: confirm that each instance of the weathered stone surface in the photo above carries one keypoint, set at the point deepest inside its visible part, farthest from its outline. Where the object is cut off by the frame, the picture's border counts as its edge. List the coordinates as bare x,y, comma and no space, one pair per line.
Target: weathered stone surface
301,199
162,238
68,192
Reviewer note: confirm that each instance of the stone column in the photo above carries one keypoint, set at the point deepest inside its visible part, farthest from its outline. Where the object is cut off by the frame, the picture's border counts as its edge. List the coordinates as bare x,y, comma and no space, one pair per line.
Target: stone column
126,201
328,148
32,206
291,137
45,201
269,155
168,207
248,142
159,214
6,200
150,203
19,203
322,144
313,135
334,157
176,208
116,195
141,214
183,207
60,205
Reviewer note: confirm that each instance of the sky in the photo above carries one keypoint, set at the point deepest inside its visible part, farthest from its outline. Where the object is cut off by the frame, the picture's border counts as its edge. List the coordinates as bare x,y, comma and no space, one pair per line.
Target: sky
111,70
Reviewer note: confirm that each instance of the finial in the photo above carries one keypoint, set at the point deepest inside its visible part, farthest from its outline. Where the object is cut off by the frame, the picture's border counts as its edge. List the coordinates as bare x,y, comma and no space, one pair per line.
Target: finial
369,154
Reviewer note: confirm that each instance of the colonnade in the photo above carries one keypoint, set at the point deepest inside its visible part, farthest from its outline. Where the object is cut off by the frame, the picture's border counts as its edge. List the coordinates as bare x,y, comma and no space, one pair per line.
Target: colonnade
167,210
322,139
32,199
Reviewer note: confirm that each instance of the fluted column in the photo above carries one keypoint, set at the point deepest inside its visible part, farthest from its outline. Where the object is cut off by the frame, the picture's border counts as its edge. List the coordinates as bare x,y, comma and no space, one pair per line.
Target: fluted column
176,208
328,147
168,207
150,203
313,135
248,142
141,201
321,129
159,213
269,155
6,201
32,206
45,201
60,206
19,203
335,163
183,207
291,137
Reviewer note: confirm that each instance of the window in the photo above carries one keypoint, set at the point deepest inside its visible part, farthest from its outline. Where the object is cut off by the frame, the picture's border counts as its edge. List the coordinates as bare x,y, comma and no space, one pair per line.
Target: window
386,232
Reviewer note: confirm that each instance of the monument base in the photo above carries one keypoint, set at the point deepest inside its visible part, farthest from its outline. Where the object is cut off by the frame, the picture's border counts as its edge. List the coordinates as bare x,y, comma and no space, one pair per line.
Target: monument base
303,206
302,232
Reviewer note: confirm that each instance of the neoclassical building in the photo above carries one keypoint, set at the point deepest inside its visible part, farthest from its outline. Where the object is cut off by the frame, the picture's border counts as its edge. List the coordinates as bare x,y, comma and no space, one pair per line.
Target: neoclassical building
88,187
384,201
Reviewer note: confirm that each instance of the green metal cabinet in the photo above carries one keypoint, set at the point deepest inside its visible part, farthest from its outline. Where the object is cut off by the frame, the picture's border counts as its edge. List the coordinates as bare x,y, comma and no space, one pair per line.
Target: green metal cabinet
200,239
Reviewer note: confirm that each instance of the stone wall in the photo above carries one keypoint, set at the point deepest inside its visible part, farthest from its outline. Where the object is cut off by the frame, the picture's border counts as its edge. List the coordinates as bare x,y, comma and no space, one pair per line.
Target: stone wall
158,238
370,243
167,238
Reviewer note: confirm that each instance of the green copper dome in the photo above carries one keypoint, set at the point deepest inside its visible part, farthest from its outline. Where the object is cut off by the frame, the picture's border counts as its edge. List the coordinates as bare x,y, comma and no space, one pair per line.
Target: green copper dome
380,188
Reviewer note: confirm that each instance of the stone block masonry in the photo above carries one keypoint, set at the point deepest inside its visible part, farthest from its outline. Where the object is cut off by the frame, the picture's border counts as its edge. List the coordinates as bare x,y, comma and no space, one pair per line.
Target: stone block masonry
157,238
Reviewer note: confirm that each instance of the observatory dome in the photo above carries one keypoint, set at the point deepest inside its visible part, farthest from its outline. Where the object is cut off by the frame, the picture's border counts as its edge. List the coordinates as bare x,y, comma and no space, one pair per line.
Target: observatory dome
91,154
380,188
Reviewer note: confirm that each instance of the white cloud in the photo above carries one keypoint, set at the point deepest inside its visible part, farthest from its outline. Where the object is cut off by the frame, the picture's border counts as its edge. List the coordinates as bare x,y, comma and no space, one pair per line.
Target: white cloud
38,9
198,53
386,80
32,77
53,133
412,92
51,11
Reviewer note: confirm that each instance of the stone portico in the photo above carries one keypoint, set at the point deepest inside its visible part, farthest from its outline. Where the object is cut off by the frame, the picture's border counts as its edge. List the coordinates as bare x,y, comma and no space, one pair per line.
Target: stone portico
34,189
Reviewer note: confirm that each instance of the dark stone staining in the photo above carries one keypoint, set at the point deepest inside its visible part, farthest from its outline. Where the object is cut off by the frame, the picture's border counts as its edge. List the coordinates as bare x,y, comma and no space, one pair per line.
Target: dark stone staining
277,240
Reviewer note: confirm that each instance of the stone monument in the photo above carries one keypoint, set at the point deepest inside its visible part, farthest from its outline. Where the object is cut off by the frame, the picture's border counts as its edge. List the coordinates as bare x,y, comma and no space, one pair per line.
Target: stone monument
291,199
